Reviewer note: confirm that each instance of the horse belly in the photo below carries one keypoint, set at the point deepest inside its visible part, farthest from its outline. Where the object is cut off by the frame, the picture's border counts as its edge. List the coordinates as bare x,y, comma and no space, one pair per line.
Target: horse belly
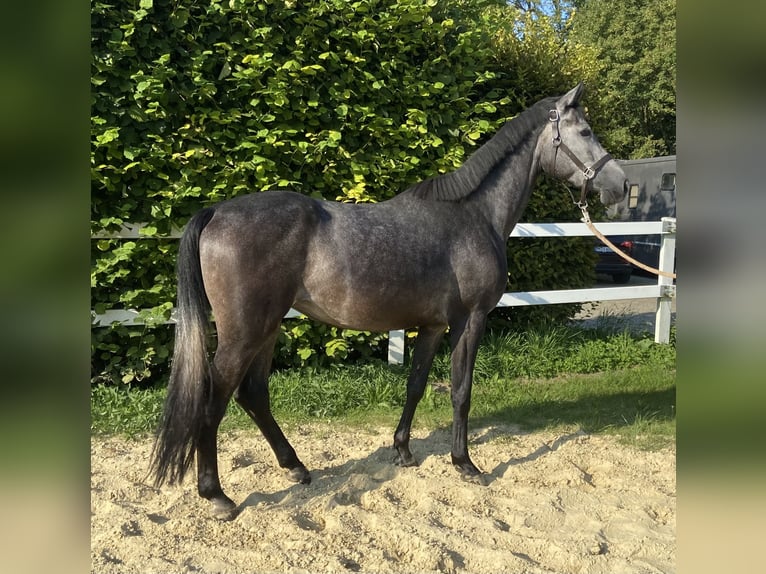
371,305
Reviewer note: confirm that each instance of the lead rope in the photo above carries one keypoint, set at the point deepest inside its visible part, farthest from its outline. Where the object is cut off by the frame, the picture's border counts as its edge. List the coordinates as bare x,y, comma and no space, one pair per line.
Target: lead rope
586,220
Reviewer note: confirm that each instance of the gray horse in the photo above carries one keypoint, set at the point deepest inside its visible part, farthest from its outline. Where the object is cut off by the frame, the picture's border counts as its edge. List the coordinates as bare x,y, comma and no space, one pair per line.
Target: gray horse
431,258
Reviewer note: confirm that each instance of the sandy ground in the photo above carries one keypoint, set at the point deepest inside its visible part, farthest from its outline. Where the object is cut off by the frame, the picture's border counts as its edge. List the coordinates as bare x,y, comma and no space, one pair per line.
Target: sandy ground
561,502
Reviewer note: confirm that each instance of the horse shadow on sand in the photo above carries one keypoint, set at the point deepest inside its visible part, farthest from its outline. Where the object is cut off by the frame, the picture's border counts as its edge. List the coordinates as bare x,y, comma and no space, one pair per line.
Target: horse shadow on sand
345,482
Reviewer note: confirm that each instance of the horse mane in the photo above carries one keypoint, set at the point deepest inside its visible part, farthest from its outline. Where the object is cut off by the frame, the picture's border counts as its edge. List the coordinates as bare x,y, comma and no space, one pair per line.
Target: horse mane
462,182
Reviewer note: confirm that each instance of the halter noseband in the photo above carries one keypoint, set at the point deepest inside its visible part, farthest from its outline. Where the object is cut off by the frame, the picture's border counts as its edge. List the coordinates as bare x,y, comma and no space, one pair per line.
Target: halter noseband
587,172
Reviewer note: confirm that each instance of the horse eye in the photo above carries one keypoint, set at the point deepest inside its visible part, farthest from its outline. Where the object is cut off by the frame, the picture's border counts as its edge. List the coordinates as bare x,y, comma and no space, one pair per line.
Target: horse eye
585,133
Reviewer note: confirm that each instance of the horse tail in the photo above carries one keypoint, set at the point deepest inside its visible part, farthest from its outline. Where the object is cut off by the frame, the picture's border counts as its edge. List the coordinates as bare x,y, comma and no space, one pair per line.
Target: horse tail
190,379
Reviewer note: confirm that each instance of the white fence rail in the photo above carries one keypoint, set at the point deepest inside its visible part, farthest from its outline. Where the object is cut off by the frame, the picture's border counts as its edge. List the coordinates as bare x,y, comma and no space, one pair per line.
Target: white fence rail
664,291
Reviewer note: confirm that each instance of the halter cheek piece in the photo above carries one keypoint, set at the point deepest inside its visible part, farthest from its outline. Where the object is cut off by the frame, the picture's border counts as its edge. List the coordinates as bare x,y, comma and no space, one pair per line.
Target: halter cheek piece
587,172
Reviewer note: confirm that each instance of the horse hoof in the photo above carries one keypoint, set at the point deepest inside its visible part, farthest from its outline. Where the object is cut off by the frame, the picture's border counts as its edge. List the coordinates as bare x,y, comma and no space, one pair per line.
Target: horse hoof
299,474
399,460
481,479
224,510
469,473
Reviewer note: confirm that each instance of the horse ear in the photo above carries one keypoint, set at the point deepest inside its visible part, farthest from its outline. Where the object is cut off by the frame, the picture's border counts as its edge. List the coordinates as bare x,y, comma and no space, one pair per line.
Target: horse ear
572,97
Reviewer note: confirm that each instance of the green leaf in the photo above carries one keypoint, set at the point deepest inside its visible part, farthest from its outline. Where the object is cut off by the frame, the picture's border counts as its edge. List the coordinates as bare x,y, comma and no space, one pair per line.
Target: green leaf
109,135
291,65
305,352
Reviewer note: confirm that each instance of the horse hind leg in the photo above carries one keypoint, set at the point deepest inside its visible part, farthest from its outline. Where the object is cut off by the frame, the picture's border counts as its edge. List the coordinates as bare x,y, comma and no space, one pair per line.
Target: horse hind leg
253,396
230,364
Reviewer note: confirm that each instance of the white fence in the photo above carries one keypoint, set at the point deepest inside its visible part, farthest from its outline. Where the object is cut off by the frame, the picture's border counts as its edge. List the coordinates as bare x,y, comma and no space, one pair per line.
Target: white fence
663,291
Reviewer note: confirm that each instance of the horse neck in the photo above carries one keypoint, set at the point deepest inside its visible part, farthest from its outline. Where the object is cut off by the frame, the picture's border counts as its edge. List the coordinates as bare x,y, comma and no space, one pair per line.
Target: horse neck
505,192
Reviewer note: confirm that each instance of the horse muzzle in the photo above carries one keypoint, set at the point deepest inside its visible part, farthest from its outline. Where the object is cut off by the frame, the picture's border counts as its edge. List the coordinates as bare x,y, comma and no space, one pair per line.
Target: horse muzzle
612,183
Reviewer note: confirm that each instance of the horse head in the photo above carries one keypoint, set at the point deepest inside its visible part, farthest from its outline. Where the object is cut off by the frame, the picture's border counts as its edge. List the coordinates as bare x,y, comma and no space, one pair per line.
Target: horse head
570,151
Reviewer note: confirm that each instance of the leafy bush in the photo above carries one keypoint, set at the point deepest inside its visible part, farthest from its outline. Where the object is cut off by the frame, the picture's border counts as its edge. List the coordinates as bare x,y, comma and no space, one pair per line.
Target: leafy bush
350,101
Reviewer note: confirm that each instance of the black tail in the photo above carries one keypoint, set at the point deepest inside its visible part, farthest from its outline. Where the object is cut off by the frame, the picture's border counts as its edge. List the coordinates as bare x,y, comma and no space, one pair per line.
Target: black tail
178,433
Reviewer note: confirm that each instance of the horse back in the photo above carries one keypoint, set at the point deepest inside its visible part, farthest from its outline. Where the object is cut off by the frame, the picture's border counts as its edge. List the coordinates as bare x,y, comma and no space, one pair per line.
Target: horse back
381,266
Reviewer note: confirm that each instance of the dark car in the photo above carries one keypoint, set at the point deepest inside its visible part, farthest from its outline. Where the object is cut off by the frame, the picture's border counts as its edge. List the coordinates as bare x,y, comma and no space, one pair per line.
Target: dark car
609,263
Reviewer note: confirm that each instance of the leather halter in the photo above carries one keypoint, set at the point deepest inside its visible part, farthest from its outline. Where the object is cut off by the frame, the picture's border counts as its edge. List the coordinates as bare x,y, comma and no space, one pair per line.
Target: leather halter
588,172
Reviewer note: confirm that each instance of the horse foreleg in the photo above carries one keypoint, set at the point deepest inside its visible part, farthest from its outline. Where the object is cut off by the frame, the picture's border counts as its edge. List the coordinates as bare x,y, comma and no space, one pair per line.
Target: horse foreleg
253,395
426,346
465,340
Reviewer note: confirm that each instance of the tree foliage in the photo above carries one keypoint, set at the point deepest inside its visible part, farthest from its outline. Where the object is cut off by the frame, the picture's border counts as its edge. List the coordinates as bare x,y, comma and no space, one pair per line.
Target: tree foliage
634,107
197,102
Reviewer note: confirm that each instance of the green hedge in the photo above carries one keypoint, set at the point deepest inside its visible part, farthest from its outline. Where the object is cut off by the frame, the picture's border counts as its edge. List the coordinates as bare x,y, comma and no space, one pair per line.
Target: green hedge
197,102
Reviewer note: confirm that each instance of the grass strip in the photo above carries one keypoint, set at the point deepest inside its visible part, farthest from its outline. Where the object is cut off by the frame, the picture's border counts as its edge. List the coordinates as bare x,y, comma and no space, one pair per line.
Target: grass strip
601,382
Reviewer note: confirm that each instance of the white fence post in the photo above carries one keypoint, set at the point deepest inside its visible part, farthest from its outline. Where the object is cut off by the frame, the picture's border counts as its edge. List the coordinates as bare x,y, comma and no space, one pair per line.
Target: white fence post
395,347
667,261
